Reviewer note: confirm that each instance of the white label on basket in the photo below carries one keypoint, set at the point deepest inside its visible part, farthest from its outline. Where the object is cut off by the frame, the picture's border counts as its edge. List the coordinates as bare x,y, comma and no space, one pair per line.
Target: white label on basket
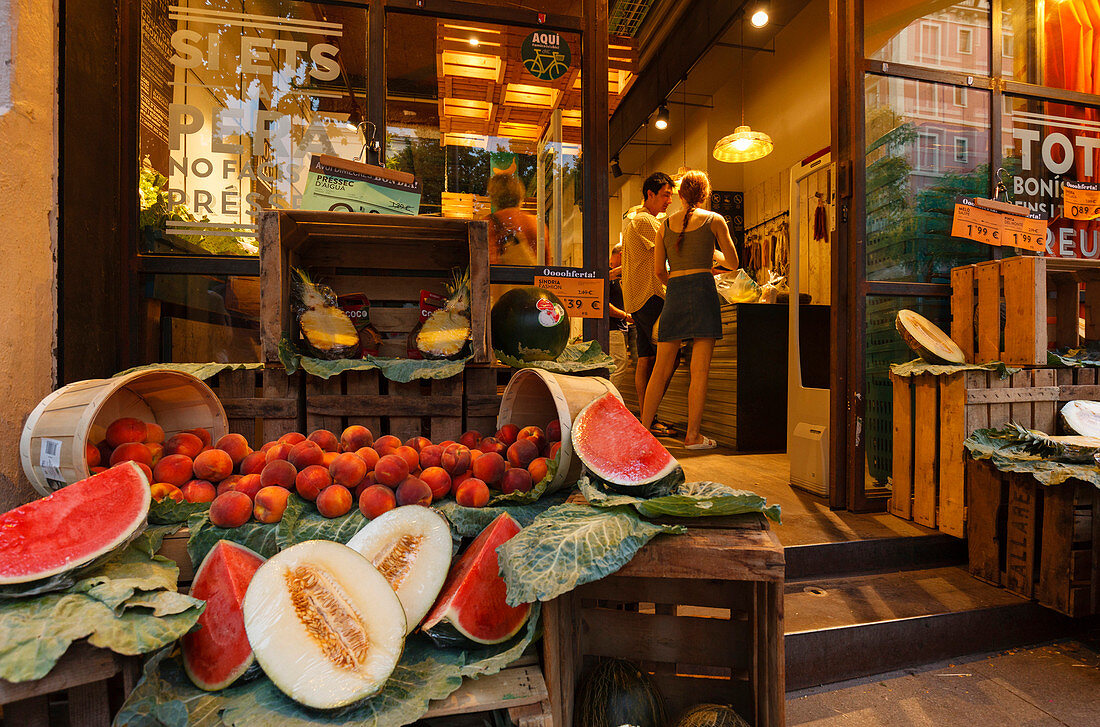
50,459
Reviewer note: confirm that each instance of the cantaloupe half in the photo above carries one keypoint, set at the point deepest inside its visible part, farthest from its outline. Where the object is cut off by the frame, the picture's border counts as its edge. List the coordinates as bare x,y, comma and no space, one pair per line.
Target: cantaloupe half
927,339
411,547
324,624
1081,417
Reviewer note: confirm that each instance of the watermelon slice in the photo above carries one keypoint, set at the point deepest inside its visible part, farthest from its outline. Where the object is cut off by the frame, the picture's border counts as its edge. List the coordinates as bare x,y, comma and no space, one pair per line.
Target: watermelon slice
74,526
619,452
472,604
218,653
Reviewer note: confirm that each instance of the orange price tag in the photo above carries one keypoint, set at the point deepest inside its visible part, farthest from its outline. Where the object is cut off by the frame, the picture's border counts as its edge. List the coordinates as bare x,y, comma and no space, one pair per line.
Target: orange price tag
1026,233
975,223
1081,201
582,297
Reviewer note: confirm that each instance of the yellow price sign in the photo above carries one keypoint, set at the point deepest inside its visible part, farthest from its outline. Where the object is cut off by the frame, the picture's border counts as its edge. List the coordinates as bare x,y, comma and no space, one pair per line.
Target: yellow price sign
975,223
1081,201
582,297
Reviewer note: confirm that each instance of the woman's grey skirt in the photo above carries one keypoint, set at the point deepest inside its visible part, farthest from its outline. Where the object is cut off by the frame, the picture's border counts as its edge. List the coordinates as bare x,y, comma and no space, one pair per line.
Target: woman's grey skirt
692,309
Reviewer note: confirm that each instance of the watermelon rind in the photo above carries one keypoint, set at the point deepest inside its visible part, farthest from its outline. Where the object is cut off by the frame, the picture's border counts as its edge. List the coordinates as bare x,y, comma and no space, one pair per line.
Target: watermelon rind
72,501
517,330
666,485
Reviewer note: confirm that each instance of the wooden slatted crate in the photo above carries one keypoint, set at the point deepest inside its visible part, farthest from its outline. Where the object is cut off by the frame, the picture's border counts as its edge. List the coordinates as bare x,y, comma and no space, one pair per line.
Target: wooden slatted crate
1040,542
389,258
701,612
260,404
1028,289
933,415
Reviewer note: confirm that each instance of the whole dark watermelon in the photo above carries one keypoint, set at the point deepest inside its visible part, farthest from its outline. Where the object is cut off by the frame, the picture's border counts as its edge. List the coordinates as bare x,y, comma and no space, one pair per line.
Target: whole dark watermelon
530,324
616,693
710,715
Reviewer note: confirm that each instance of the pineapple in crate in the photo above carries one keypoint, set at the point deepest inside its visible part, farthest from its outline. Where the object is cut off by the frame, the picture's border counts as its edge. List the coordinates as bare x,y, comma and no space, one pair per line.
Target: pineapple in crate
445,333
328,331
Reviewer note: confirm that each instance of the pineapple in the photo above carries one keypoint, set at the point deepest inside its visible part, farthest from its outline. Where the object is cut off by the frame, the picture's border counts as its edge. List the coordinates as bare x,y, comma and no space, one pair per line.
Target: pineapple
446,331
326,328
1070,448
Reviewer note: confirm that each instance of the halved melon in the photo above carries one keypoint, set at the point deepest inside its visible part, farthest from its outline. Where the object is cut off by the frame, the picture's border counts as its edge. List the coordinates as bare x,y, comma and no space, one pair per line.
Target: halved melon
217,654
73,526
927,339
472,603
411,547
1082,417
619,451
324,624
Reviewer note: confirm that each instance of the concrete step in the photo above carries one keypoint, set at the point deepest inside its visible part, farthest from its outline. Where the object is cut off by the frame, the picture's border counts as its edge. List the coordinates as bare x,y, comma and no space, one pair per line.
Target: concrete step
873,555
849,626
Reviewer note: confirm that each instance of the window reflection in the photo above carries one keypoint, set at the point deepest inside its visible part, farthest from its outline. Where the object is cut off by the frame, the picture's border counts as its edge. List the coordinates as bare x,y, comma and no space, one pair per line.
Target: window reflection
952,36
1053,43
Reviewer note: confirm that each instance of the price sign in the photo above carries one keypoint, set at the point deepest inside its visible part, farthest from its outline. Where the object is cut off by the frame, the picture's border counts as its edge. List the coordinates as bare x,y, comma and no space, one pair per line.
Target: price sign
1026,233
1081,201
976,223
582,297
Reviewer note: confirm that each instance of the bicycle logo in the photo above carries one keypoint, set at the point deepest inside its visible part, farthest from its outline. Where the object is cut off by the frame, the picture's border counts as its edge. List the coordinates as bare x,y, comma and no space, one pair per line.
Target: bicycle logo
546,56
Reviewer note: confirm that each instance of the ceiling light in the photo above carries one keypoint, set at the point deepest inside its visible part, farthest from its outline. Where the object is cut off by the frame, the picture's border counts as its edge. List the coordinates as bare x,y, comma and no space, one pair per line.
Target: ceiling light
616,170
475,43
662,117
759,18
743,145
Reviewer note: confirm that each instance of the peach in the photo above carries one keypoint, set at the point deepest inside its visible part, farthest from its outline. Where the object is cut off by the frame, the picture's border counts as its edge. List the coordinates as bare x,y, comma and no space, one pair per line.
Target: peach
229,483
312,480
281,450
213,465
472,493
522,453
254,463
553,431
291,438
249,485
235,445
410,455
430,456
97,470
125,430
492,444
199,491
355,437
154,433
230,509
391,470
368,455
156,451
348,469
269,445
459,479
489,468
183,443
438,481
161,490
516,480
455,459
474,454
280,473
270,504
538,469
386,444
91,455
329,458
131,451
175,469
366,482
203,434
447,443
418,443
324,439
535,435
334,501
552,453
144,468
414,491
304,454
507,434
375,500
470,439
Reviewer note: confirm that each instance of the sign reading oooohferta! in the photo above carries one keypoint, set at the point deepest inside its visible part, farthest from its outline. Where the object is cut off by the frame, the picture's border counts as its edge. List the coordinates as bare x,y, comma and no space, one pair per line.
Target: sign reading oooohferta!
580,291
1081,200
545,55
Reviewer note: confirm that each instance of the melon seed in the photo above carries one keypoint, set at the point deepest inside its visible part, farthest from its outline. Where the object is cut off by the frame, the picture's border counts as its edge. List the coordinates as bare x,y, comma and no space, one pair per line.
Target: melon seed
328,616
396,562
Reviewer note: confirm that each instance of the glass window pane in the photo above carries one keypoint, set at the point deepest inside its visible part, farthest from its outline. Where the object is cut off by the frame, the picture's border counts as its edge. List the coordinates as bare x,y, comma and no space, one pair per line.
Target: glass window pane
952,36
926,145
204,318
1042,144
1052,43
234,98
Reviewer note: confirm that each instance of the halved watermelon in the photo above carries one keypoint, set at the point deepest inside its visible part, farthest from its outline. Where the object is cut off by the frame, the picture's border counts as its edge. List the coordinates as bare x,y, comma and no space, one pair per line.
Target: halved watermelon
617,450
471,605
74,526
218,653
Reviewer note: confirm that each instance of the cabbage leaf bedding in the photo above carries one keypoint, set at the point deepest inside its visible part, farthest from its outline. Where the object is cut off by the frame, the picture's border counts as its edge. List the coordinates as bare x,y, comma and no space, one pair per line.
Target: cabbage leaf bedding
690,499
917,367
577,357
1004,449
469,521
401,370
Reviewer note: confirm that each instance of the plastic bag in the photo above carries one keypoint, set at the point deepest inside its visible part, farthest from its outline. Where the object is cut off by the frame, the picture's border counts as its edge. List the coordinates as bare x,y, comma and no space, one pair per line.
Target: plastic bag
737,287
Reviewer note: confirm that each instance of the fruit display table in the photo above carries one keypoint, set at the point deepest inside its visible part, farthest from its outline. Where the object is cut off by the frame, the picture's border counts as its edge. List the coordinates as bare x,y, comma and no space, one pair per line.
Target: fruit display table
702,611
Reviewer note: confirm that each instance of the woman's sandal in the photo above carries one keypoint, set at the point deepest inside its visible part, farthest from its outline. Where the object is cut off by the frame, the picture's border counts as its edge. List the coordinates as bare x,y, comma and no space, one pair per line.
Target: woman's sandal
707,443
660,429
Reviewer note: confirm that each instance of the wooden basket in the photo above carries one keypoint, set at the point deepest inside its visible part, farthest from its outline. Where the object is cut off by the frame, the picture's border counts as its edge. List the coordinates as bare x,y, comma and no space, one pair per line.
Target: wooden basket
79,413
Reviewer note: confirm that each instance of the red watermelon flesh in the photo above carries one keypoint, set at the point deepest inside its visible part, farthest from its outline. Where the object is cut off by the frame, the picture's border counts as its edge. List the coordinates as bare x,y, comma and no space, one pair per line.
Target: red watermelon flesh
615,447
472,599
218,653
73,526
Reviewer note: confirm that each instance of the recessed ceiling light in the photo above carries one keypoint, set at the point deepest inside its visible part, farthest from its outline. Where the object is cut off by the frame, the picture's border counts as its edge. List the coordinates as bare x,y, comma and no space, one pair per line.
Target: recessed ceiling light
475,42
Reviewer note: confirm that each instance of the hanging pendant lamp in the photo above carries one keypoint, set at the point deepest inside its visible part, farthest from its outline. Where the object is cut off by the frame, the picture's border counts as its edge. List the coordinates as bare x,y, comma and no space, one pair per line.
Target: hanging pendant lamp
744,144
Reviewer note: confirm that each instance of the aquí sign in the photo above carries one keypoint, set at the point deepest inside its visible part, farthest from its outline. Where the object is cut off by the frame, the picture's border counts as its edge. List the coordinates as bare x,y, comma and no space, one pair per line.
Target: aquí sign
545,55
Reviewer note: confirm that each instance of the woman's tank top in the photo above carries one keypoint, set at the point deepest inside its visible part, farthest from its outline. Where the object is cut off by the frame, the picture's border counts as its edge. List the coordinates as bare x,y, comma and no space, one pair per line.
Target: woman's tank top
697,250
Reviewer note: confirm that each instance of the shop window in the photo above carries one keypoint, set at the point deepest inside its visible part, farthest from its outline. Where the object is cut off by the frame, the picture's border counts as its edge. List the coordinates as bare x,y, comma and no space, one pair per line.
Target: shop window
911,186
915,32
961,145
201,318
1052,42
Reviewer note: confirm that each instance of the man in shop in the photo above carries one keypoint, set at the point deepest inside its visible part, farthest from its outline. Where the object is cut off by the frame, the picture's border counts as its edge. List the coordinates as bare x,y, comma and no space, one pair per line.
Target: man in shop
620,320
643,294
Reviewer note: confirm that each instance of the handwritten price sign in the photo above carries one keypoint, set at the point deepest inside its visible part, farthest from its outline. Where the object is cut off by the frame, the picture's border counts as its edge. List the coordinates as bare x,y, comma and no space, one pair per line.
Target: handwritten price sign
582,297
1081,201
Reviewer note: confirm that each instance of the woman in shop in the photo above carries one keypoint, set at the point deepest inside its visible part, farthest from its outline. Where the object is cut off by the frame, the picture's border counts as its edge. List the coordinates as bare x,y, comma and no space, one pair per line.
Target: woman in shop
513,233
685,241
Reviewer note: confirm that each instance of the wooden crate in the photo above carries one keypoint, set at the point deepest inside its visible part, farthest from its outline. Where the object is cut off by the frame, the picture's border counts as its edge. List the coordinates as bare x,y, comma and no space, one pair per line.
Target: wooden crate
707,624
260,404
436,408
1023,286
1038,541
389,258
933,415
